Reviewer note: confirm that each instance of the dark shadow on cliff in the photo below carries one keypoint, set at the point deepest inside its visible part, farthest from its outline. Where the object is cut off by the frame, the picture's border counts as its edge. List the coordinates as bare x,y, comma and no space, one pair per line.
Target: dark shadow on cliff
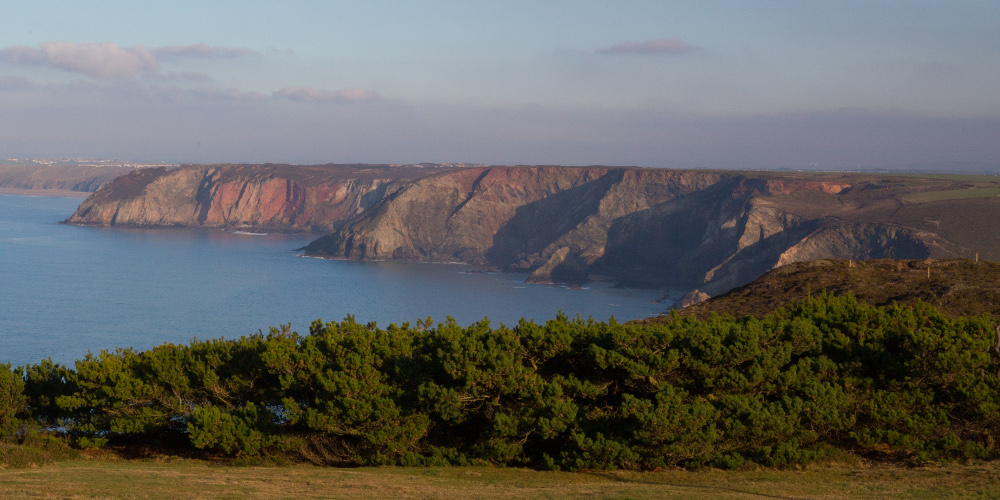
537,225
674,243
831,237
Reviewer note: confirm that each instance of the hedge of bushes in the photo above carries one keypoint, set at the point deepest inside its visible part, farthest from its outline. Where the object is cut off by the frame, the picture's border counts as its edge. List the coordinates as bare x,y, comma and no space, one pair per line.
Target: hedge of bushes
826,375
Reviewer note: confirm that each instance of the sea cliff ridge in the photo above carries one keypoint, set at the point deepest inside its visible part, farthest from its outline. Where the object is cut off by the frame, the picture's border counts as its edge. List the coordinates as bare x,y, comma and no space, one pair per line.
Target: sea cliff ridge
270,197
710,230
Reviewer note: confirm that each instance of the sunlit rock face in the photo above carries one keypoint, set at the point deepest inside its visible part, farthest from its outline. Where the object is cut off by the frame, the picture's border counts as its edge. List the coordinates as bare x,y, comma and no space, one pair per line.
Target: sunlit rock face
710,230
262,197
713,230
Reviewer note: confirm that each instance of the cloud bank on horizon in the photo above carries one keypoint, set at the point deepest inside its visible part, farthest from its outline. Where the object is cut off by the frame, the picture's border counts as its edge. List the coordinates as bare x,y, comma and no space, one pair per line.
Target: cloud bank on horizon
582,82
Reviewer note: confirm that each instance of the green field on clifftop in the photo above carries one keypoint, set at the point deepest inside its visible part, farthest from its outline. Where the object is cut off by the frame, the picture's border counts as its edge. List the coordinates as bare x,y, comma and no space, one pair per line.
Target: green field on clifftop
951,194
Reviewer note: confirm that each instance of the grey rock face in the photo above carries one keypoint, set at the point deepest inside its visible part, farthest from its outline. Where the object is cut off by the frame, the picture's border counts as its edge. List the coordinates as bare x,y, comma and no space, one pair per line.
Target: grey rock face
642,227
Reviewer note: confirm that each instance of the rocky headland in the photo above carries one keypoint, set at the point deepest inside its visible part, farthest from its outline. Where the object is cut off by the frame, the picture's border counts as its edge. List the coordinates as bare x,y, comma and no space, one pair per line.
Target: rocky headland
287,198
709,230
78,180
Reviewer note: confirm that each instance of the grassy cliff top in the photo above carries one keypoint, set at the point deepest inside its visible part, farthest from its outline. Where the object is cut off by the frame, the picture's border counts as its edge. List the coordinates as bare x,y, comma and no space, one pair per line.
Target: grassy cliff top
957,286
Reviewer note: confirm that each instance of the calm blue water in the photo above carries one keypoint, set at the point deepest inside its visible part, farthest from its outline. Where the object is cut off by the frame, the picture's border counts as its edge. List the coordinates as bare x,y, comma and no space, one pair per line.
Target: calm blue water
65,290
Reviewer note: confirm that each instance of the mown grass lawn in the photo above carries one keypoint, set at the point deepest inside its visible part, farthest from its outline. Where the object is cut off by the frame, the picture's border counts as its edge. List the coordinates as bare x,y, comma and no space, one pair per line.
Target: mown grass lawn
182,478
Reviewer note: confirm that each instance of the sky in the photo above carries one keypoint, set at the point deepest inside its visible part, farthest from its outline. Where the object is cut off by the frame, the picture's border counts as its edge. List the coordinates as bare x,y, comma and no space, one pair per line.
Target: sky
720,84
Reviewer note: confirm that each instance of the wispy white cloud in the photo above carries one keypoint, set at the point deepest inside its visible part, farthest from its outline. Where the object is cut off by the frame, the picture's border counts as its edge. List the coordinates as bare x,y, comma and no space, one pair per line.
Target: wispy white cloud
108,60
119,66
229,93
274,51
203,51
130,89
315,94
185,76
660,46
174,94
103,61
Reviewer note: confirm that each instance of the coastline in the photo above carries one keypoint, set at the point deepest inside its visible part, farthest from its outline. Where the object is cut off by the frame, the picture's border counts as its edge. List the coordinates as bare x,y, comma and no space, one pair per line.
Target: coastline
65,193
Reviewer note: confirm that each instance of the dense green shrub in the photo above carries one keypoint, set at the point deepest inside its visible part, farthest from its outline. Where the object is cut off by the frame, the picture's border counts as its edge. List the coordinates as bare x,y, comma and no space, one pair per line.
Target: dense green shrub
12,402
897,383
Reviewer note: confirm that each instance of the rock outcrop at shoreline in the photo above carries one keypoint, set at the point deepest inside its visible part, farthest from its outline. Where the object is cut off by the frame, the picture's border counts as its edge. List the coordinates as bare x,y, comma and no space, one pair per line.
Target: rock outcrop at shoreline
710,230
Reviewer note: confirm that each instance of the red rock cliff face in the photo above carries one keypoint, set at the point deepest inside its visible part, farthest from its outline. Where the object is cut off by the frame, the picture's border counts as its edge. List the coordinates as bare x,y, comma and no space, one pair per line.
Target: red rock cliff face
261,197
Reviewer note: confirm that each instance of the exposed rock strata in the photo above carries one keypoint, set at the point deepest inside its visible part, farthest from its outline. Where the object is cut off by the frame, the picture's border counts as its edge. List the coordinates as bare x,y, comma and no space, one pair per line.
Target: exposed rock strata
643,227
262,197
710,230
691,298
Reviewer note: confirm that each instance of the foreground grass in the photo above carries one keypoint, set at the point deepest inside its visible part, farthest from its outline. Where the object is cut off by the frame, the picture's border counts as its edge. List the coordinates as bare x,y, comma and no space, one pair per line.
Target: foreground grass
181,478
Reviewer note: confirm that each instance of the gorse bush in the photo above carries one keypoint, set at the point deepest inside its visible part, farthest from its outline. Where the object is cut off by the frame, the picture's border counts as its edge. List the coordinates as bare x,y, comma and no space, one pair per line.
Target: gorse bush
898,383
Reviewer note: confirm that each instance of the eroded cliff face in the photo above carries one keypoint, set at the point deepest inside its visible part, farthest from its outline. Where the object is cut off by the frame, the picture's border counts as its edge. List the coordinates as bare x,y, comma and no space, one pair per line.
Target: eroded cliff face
638,227
259,197
710,230
511,217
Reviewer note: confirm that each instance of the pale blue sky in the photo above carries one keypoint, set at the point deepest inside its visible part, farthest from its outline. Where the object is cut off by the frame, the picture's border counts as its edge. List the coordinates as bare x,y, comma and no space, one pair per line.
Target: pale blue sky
725,83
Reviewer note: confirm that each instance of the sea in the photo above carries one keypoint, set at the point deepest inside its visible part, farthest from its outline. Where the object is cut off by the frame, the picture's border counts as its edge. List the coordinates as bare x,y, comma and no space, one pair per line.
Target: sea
66,291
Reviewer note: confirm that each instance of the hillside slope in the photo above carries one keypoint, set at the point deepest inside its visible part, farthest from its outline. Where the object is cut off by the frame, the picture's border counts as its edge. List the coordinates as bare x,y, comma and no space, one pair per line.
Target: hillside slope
958,287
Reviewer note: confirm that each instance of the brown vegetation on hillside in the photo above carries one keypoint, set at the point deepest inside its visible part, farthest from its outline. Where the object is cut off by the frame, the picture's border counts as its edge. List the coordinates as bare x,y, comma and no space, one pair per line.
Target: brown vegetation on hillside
958,287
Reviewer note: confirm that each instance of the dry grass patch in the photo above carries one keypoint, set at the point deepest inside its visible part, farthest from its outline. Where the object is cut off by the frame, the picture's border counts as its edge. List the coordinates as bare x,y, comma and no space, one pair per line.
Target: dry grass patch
181,478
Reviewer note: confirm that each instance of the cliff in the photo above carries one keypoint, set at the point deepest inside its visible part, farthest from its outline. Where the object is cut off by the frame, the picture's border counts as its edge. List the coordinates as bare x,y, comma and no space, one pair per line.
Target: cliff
705,230
260,197
711,230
